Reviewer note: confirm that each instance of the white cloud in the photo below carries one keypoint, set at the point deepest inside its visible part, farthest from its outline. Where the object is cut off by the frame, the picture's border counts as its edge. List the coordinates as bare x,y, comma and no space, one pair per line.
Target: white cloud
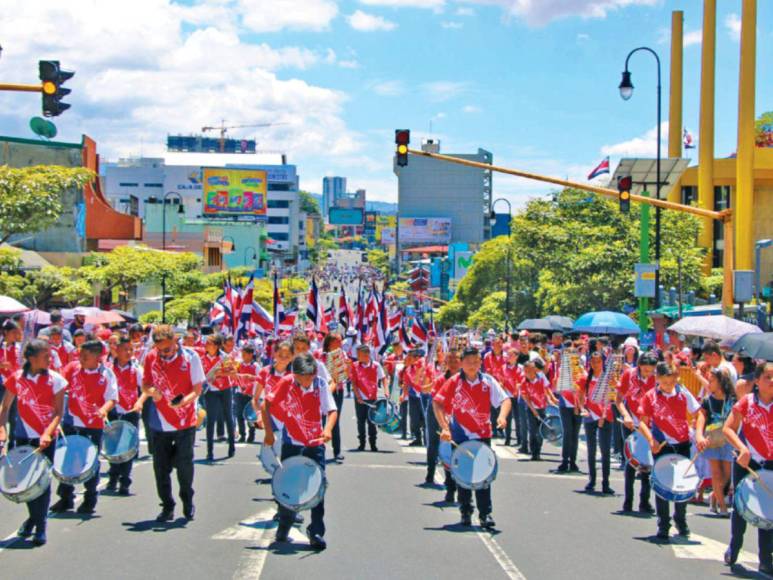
444,90
275,15
388,88
733,25
471,109
642,146
451,25
693,37
365,22
582,37
463,11
349,64
431,4
178,78
542,12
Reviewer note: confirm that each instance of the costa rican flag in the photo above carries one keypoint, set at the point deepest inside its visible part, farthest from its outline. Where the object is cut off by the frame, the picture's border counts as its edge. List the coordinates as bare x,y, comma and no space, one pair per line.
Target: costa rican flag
600,169
344,313
688,140
261,319
287,324
395,320
245,309
314,308
418,331
217,314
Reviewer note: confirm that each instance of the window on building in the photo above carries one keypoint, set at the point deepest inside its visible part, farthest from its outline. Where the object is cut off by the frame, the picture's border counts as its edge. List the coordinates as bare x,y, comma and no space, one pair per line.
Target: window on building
154,185
722,196
279,236
278,186
129,184
300,225
214,257
278,203
276,220
689,194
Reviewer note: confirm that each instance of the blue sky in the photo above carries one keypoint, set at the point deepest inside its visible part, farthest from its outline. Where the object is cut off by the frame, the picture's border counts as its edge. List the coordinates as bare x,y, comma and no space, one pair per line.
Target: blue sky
533,81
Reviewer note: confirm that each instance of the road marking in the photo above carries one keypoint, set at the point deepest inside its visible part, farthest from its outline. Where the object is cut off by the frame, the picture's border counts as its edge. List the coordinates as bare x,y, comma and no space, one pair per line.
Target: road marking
706,549
504,561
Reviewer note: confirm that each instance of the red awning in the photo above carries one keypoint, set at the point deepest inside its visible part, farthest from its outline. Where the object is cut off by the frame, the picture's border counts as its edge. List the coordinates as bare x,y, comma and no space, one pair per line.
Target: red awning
426,250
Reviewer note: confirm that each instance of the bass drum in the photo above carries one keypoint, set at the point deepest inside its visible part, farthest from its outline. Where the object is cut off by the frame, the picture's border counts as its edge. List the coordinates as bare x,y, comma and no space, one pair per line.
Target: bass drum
24,474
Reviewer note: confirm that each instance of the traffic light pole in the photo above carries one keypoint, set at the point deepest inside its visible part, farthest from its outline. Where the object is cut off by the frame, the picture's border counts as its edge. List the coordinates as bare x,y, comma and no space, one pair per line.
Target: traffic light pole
21,88
725,216
644,257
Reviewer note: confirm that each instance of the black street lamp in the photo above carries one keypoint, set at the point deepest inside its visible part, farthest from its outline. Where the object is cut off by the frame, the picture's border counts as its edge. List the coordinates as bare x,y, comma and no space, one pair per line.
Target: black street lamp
180,210
254,255
626,92
509,260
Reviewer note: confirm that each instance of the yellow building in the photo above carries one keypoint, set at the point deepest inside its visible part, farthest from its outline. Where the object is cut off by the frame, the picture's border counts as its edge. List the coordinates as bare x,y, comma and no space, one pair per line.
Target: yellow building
743,183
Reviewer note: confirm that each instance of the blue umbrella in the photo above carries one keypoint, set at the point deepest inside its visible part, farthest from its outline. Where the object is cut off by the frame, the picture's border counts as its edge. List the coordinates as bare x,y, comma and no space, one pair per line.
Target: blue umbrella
605,323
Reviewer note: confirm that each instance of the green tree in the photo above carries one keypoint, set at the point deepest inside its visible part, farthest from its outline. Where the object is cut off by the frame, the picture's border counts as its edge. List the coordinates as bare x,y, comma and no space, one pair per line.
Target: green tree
31,197
308,203
379,259
491,313
764,130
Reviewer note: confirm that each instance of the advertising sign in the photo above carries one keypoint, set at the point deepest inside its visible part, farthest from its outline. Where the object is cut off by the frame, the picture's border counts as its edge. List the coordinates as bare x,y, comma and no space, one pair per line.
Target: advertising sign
344,217
425,231
387,236
234,192
462,263
644,286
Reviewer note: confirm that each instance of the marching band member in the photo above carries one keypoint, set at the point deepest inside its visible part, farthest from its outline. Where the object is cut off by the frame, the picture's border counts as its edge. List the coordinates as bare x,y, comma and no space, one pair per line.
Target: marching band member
92,394
10,363
753,414
634,384
64,350
467,400
598,426
417,377
512,377
246,378
301,401
367,377
665,408
537,393
219,396
331,343
493,363
128,375
270,375
571,422
172,377
40,402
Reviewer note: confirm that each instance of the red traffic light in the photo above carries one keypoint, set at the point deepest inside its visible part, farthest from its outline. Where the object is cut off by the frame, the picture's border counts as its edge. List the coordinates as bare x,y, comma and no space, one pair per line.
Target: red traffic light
402,137
624,183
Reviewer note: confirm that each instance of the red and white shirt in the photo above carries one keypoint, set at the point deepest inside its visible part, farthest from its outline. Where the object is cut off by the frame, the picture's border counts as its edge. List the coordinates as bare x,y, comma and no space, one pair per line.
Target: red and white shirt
66,353
469,403
268,376
172,377
301,410
632,389
10,353
35,398
512,377
569,395
129,380
757,426
88,391
366,379
535,391
493,364
246,384
209,362
390,363
668,412
416,376
596,410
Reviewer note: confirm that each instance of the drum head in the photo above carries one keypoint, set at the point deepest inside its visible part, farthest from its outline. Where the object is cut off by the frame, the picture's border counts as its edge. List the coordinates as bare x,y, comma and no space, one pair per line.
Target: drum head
75,458
379,414
754,502
473,464
638,451
120,440
445,452
268,458
249,413
19,472
551,429
552,411
671,473
297,483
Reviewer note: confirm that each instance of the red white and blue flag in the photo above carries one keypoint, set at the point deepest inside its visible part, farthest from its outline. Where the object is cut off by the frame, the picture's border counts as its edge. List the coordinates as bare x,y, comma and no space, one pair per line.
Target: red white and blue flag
278,308
418,331
217,314
343,312
600,169
314,309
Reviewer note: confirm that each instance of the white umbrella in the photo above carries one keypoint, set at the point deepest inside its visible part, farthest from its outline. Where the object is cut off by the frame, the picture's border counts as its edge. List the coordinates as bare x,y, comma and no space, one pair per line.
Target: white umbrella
9,305
722,328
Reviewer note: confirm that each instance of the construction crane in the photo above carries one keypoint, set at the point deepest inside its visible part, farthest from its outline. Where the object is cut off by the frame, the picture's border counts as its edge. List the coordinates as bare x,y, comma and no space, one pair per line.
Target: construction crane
224,129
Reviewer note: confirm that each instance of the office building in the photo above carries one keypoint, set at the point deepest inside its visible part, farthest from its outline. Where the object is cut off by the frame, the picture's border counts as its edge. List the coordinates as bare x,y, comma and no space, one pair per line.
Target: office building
333,189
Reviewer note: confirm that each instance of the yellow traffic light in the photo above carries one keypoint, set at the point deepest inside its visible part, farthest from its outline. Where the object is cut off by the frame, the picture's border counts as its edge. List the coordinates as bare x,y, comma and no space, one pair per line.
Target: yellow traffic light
49,88
402,149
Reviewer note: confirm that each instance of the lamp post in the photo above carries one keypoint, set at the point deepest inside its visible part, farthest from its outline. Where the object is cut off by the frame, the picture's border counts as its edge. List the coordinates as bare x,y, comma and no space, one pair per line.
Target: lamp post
507,279
626,92
758,247
180,210
254,255
233,245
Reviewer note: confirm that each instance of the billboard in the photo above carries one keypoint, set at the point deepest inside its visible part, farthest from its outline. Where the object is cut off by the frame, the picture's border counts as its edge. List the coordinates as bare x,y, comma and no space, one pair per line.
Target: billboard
425,231
344,217
234,192
387,236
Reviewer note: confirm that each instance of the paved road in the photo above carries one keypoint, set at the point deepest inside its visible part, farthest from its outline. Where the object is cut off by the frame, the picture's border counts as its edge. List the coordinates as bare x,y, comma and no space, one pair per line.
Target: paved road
380,525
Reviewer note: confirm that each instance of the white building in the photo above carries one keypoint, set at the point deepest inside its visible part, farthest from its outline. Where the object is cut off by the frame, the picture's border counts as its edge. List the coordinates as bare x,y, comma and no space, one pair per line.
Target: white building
129,183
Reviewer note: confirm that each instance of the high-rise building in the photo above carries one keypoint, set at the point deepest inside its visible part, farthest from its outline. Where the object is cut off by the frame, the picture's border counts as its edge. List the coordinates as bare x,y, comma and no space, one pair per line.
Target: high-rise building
333,189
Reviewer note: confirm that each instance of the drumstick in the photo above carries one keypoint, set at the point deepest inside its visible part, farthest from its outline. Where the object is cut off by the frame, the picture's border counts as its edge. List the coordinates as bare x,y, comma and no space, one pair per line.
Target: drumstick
31,455
455,444
59,427
756,476
692,462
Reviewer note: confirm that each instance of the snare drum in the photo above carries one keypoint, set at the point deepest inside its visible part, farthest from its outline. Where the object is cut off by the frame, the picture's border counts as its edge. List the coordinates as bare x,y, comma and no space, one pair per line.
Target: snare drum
249,413
638,452
120,442
755,503
24,478
552,430
674,478
393,422
474,465
269,455
444,452
76,460
379,413
299,483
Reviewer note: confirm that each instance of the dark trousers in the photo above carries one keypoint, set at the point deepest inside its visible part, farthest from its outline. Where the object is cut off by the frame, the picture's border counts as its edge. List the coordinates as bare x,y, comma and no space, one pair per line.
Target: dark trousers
361,409
404,419
122,472
38,507
661,505
570,423
630,477
219,404
147,409
738,524
433,442
240,403
535,435
67,491
482,496
416,414
617,433
338,397
598,437
512,417
287,516
174,450
522,425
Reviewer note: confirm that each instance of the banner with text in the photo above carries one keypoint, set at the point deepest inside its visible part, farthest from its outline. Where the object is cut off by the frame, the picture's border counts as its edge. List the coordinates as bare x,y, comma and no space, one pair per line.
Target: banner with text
234,192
